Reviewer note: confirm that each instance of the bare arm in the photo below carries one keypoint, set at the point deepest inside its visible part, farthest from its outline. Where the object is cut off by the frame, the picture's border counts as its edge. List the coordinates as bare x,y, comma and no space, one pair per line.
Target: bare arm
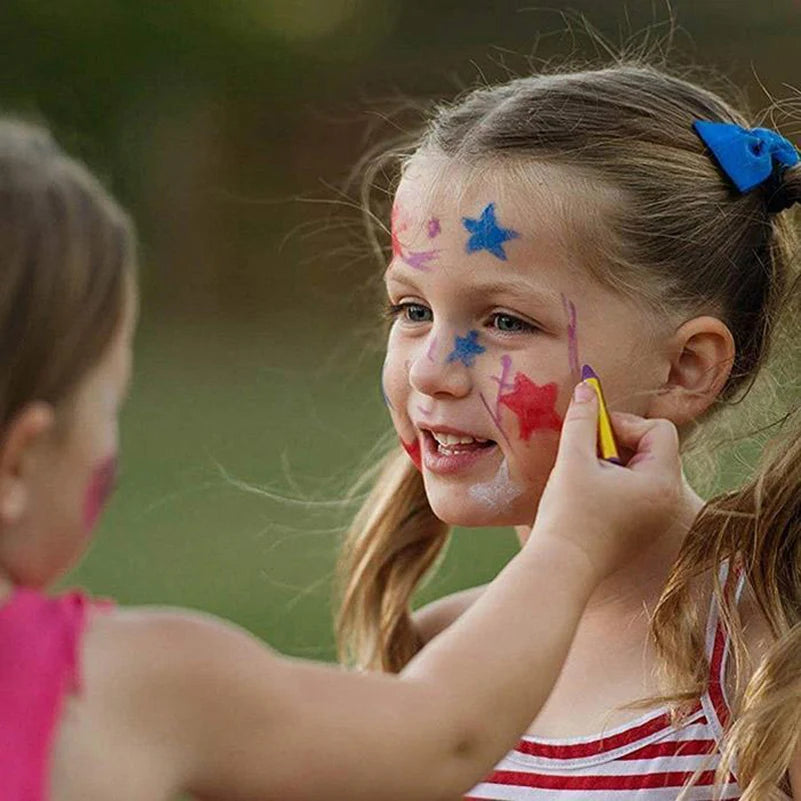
214,712
254,725
437,728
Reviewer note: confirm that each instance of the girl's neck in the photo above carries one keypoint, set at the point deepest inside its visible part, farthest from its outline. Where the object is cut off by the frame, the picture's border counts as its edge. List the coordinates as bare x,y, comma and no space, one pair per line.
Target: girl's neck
639,583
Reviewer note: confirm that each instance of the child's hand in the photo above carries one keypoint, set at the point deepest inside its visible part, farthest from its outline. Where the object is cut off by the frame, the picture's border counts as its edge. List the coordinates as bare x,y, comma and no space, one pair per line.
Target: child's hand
606,510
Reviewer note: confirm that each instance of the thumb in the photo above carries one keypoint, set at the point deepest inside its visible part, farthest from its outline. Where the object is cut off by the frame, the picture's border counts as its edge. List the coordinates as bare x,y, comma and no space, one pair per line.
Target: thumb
579,438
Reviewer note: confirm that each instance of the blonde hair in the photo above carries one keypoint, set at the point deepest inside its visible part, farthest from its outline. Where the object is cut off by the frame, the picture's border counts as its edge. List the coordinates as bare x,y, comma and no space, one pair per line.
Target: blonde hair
679,237
393,541
758,528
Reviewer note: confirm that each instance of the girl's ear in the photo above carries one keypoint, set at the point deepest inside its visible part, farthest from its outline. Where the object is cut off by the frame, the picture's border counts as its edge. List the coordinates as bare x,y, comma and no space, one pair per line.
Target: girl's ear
701,354
18,452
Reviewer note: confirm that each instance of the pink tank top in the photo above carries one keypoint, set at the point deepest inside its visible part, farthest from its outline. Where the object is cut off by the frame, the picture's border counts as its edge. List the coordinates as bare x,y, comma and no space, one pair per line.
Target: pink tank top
40,641
647,759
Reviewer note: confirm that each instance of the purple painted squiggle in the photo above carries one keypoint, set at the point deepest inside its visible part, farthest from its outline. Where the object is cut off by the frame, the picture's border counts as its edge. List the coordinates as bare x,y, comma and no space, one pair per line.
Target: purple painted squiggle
418,259
572,336
495,418
503,384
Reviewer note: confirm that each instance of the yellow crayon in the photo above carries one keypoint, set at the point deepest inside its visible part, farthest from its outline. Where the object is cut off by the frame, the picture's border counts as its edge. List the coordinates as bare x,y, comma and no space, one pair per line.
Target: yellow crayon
606,439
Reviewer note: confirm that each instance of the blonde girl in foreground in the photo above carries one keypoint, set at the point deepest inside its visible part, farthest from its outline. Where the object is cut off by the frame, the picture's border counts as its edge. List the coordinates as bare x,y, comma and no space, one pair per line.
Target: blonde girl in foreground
98,703
634,221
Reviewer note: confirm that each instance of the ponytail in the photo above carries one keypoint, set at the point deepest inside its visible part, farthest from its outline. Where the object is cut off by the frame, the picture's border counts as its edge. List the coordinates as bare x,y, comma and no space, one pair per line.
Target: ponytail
394,540
759,526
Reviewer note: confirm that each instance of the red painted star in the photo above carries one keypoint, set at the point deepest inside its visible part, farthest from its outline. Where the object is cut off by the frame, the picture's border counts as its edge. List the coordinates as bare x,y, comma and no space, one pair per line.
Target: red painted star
533,405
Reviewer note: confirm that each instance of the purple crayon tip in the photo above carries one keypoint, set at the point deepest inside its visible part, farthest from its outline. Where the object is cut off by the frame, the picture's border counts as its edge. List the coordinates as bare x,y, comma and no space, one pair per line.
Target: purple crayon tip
588,372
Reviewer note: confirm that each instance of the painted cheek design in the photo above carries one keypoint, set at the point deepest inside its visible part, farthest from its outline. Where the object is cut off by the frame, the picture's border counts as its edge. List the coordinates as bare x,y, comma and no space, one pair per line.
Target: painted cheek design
533,405
465,349
100,488
486,234
572,338
503,385
413,449
434,227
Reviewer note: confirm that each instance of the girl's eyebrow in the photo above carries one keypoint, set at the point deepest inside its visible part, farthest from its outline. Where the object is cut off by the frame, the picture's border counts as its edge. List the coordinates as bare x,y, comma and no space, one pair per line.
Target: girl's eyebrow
514,286
510,286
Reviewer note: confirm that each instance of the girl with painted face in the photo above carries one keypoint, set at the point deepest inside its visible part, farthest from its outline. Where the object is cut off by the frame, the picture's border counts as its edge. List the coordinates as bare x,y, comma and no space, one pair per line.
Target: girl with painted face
98,703
619,218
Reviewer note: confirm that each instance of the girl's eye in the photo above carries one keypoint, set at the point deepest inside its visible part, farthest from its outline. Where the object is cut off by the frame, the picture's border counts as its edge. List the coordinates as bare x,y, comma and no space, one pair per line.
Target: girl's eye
509,324
410,312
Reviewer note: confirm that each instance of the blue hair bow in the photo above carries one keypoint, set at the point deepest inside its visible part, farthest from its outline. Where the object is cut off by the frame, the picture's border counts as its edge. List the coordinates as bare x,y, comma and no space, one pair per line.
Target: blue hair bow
748,157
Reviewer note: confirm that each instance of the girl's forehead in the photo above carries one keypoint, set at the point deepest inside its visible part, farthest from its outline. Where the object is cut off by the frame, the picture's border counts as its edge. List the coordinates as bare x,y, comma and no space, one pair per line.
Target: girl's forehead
529,196
490,214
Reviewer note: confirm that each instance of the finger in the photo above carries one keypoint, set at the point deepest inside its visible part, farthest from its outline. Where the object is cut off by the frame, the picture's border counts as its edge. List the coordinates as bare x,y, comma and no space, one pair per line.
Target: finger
580,427
648,438
629,428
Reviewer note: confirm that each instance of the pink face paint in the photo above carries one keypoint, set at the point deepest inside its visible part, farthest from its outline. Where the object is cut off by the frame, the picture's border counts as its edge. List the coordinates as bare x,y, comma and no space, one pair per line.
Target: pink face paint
533,405
100,488
397,226
434,227
572,338
502,381
413,449
431,348
417,259
495,418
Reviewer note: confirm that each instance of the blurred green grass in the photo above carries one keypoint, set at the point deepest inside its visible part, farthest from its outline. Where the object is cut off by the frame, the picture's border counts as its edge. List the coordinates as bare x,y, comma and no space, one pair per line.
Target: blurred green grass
217,403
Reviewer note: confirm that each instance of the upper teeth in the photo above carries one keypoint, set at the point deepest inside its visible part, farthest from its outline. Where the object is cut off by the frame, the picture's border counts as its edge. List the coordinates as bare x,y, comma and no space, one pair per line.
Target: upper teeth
455,439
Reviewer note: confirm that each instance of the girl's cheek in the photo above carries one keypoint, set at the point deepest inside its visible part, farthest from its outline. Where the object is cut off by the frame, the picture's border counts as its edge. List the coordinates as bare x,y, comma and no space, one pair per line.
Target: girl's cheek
395,391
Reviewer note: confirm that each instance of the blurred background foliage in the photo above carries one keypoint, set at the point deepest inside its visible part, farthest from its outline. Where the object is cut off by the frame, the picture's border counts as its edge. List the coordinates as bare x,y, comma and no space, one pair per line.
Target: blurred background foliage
229,129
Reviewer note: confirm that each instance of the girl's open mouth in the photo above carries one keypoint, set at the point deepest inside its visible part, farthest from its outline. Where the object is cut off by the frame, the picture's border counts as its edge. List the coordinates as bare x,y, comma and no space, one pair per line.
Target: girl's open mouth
449,453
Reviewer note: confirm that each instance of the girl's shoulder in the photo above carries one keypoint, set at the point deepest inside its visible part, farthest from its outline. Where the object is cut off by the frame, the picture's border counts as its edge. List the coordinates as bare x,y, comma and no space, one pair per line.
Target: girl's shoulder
148,677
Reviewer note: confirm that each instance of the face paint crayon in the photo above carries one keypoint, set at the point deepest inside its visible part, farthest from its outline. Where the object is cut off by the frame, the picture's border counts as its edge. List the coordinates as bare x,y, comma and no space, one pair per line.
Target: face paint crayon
606,438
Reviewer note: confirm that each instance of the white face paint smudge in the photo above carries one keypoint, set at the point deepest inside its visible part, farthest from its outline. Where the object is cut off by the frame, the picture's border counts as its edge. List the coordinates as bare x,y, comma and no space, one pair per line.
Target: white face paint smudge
499,492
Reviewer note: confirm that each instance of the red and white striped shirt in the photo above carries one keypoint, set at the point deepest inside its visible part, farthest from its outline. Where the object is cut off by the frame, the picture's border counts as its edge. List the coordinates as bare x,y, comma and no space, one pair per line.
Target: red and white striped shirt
647,759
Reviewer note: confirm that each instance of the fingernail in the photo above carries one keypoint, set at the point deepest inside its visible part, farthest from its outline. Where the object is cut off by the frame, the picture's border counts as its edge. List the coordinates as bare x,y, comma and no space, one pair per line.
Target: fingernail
583,392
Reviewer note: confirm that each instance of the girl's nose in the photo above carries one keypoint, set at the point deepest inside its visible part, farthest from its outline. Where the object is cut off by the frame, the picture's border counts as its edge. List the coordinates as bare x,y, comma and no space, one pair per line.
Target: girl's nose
436,370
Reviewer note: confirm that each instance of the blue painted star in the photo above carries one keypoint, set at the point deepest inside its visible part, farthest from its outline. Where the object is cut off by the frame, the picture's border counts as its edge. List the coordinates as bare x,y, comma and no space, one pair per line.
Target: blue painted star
486,234
465,349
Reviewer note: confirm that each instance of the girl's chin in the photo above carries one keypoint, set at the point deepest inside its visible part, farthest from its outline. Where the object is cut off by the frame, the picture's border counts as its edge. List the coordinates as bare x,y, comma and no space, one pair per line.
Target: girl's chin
478,513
